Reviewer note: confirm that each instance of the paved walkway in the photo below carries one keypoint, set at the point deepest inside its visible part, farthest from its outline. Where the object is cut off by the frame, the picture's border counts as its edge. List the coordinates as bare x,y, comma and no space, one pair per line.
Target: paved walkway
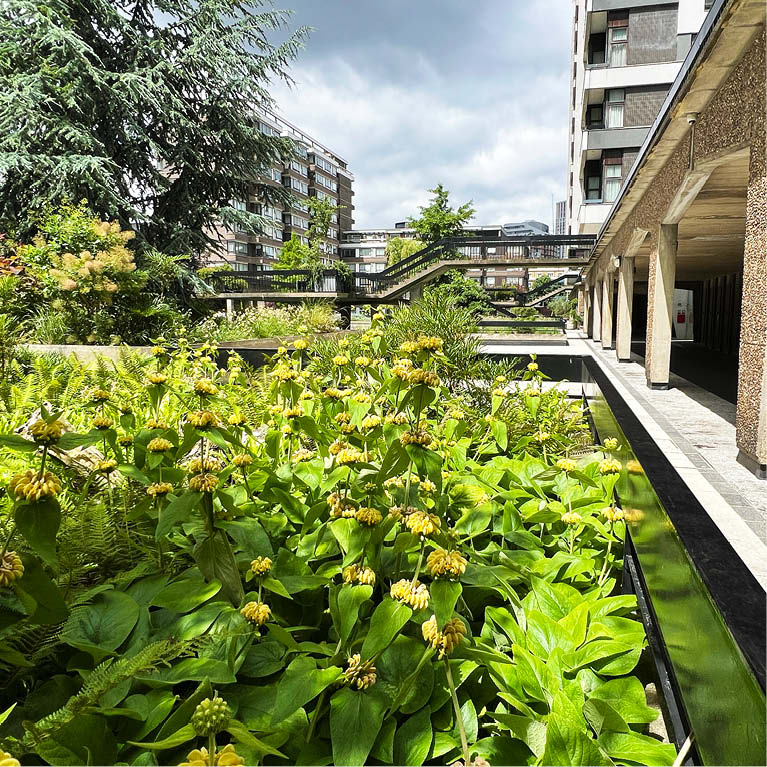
696,430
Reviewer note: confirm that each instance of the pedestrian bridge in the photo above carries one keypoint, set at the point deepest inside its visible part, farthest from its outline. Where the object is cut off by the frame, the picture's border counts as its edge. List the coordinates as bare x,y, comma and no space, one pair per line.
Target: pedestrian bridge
406,279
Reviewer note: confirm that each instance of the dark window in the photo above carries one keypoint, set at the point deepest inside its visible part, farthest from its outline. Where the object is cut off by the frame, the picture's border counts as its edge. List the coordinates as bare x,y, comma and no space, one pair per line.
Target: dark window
597,44
592,174
595,116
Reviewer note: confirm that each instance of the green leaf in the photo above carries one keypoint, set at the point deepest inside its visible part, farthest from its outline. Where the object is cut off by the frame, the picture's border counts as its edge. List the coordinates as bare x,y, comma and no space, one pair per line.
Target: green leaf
350,599
627,697
529,731
70,441
537,679
302,682
637,748
383,749
17,443
567,741
86,739
216,561
355,721
195,670
178,510
544,634
602,716
263,659
385,623
181,735
444,595
183,714
184,595
413,740
39,524
500,433
241,734
101,627
49,606
8,711
405,674
250,537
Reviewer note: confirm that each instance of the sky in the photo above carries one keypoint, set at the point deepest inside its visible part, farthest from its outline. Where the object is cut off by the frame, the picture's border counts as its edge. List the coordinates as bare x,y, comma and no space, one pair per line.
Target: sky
472,94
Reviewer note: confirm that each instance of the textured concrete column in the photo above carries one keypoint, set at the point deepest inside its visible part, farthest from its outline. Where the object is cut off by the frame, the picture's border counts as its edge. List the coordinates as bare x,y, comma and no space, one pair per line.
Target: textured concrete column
751,413
586,307
596,325
607,311
625,301
229,308
660,295
416,293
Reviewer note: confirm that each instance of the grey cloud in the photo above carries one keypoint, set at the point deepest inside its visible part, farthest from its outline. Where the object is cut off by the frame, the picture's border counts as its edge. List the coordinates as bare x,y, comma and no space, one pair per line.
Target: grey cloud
411,93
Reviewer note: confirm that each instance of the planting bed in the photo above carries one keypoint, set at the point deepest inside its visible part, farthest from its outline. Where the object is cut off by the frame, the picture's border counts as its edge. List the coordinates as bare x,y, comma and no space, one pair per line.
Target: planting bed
338,559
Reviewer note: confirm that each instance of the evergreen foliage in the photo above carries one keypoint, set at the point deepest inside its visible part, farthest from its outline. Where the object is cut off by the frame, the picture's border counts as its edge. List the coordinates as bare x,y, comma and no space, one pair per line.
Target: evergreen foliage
146,109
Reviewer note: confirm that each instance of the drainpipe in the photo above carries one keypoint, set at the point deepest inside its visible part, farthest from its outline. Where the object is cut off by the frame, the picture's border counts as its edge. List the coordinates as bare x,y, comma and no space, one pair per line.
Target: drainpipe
692,118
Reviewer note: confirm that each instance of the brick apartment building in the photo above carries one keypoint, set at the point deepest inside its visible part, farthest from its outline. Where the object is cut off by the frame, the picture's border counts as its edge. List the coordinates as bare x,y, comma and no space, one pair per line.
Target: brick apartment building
316,172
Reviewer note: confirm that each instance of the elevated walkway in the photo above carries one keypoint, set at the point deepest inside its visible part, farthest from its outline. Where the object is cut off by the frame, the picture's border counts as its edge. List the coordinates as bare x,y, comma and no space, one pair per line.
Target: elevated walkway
407,277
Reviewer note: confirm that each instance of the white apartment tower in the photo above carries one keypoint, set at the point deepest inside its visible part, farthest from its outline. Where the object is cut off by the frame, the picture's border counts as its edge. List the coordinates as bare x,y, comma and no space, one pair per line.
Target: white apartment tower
624,58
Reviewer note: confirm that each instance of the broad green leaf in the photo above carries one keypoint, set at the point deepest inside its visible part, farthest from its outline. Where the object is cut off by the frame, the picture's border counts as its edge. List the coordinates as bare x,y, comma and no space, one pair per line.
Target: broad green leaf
536,678
39,524
178,510
263,659
350,599
567,740
17,443
413,740
640,749
194,670
183,714
86,739
301,683
383,748
405,674
544,634
627,697
602,716
444,595
498,750
70,441
250,537
355,721
102,626
530,731
555,599
48,606
216,561
386,622
184,595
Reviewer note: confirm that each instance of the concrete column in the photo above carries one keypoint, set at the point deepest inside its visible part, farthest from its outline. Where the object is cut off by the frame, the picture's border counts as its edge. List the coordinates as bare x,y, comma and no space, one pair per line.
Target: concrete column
751,413
229,308
586,307
596,325
660,295
625,301
415,293
607,311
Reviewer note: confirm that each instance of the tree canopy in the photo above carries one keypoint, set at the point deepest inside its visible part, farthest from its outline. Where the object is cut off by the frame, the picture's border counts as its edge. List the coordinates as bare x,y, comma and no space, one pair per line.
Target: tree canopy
399,248
146,109
438,219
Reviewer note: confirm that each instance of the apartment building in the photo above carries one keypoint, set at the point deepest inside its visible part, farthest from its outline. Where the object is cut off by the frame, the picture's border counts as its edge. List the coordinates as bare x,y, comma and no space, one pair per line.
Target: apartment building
624,58
316,171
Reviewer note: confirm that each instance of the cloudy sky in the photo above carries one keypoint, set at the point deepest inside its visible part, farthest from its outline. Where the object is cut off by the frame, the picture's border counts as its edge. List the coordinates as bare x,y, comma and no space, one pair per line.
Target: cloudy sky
469,93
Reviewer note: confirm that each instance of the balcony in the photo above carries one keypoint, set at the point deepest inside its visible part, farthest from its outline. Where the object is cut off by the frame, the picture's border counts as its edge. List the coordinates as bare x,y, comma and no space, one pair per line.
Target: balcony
591,214
615,138
599,76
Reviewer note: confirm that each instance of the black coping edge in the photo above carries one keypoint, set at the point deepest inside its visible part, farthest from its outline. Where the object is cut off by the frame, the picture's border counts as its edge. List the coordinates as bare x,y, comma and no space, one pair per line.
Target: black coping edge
737,594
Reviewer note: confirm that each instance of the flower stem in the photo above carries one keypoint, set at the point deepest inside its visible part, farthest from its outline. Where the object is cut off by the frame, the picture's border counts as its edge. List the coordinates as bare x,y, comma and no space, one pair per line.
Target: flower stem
8,540
420,562
212,750
457,708
603,573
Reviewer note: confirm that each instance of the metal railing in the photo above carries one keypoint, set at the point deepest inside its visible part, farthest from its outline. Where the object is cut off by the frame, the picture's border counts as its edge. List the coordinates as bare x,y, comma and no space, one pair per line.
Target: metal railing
495,251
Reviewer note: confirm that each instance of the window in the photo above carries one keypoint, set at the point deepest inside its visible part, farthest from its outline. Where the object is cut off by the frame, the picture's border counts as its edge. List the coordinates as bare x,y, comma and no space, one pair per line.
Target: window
380,251
297,221
593,181
613,178
616,98
299,167
326,182
240,248
320,162
597,48
333,233
595,116
239,267
618,45
267,130
269,251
